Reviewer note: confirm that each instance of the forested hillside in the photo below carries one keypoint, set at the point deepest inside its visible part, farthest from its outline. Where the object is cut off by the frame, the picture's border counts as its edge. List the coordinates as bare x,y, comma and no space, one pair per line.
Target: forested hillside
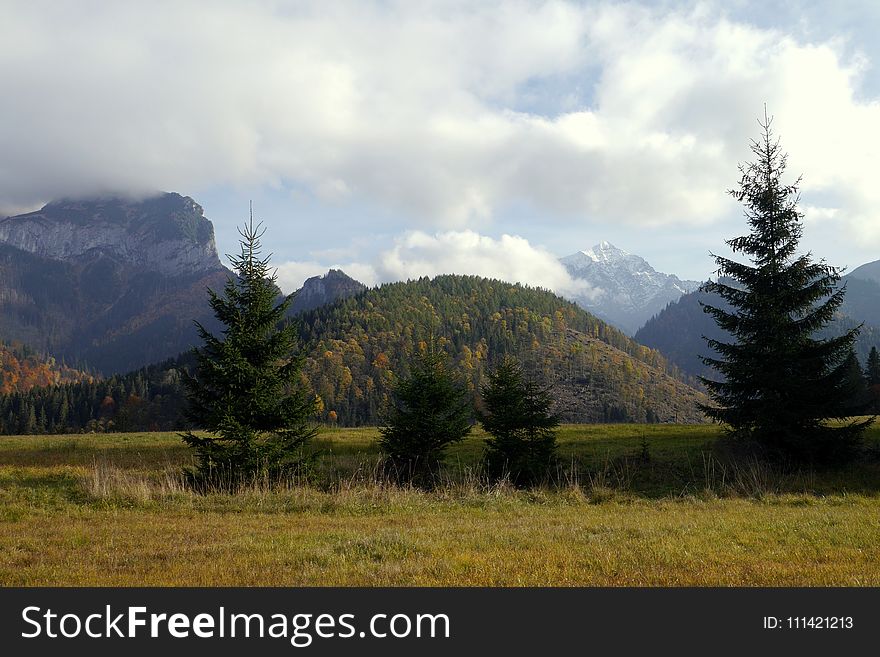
355,348
363,342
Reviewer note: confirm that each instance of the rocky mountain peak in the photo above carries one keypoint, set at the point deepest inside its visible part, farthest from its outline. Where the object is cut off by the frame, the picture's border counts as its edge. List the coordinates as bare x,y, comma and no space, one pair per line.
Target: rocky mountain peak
167,234
631,290
605,252
320,290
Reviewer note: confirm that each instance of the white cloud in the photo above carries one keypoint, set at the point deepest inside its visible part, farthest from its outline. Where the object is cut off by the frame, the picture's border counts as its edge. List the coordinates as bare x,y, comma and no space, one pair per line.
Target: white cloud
442,111
510,258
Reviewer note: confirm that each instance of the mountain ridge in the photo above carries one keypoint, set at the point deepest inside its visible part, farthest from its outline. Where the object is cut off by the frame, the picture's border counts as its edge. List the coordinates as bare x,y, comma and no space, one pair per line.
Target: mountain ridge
677,331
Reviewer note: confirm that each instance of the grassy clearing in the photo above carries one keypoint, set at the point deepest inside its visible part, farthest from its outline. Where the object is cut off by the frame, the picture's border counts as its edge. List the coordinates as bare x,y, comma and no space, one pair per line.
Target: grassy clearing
644,505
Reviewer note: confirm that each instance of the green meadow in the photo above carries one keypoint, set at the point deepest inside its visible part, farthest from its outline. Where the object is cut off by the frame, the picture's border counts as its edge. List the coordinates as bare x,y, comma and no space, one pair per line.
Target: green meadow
655,505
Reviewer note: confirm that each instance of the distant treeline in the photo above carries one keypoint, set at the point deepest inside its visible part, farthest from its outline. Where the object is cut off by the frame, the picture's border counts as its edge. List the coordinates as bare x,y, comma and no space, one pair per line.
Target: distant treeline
150,399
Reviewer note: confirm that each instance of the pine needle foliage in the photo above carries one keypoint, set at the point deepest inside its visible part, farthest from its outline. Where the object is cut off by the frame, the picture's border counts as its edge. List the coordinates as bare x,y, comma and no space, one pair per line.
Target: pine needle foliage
430,410
517,415
247,391
779,385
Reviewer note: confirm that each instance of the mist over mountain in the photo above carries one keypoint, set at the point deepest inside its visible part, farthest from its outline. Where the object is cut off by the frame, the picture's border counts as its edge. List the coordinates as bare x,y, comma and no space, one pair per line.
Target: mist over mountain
631,291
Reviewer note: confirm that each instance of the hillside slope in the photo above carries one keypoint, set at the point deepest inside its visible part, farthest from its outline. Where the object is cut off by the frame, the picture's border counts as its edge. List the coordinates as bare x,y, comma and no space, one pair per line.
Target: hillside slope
678,330
358,345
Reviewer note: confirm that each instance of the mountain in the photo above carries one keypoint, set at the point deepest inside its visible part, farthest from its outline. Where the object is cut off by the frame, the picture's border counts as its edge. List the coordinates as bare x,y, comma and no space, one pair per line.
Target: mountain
867,272
677,331
630,291
167,235
356,347
862,299
109,282
321,290
360,344
115,284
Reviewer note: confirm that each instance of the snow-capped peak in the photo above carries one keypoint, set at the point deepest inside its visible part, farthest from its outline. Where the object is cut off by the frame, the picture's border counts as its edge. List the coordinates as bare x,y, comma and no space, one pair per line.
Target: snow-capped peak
605,252
632,290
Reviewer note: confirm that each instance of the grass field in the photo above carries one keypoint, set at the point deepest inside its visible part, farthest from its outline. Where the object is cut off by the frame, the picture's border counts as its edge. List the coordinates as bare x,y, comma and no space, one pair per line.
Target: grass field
637,505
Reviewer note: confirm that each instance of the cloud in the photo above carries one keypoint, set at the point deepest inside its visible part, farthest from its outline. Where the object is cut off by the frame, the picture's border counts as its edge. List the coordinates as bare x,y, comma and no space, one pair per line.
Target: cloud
510,258
444,112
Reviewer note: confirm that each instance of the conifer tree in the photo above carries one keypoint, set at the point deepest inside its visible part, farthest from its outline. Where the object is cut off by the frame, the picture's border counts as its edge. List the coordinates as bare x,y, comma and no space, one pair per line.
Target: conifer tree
779,384
522,428
872,378
872,373
430,410
246,391
855,384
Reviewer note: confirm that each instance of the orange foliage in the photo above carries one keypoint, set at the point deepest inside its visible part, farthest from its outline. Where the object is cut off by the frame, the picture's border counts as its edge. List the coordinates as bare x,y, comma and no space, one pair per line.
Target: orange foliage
21,370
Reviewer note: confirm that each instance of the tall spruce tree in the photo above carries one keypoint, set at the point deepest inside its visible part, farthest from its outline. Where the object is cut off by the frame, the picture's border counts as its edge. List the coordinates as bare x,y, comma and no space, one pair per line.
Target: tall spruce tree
780,385
430,411
246,391
522,428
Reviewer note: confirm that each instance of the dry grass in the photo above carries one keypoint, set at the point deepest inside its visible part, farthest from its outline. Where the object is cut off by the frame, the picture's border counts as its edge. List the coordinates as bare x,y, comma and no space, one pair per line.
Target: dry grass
98,510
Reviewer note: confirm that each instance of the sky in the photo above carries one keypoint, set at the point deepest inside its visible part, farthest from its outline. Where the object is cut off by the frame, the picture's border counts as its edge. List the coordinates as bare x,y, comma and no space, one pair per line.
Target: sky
400,139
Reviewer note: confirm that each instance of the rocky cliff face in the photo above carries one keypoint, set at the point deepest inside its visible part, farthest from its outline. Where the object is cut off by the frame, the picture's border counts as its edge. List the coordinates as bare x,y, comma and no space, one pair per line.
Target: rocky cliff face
320,290
168,235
